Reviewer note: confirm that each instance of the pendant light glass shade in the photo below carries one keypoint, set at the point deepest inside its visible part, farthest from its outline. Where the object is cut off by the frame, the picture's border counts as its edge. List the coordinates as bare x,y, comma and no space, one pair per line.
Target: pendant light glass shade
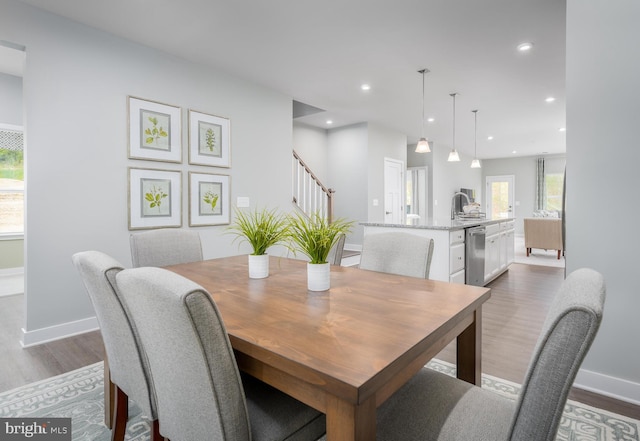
476,162
423,144
453,155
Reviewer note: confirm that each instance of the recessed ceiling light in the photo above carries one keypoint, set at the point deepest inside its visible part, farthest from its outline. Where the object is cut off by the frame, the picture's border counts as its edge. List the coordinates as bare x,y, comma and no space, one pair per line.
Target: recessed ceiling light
329,121
562,129
514,152
430,119
489,138
525,47
550,99
365,87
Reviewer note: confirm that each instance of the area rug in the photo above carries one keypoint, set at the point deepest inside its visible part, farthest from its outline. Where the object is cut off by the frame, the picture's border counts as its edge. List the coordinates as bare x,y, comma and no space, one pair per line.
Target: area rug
79,395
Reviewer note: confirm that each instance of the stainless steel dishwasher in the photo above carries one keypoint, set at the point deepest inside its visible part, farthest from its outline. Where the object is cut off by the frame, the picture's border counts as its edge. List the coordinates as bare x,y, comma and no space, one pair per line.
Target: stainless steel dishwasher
474,261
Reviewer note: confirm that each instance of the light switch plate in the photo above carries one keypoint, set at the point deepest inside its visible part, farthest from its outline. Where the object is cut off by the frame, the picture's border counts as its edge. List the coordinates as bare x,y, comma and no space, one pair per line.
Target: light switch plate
242,202
375,202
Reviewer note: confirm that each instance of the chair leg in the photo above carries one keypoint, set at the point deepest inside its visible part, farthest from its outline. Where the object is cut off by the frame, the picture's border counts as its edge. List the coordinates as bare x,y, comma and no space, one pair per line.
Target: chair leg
558,254
155,432
528,251
120,415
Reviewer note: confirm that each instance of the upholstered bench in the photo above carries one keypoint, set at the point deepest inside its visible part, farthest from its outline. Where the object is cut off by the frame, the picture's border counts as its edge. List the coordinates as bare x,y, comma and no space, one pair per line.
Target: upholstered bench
544,233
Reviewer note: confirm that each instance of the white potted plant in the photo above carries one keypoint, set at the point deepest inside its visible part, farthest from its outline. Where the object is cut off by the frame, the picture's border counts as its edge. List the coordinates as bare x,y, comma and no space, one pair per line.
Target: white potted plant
262,228
315,236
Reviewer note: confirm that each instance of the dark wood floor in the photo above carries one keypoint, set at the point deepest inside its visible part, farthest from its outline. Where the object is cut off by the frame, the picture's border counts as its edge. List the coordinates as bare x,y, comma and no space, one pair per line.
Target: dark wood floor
512,320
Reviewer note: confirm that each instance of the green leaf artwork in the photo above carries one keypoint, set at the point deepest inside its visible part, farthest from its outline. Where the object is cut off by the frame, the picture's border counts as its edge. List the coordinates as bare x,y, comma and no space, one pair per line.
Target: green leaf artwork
154,133
210,139
210,198
155,197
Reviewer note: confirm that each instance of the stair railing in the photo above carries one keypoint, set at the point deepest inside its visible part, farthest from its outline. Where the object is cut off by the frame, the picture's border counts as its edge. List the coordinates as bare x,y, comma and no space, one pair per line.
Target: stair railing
309,195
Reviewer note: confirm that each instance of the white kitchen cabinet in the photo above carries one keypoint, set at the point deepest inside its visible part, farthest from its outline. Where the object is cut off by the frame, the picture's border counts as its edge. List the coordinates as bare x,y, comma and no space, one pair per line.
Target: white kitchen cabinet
491,255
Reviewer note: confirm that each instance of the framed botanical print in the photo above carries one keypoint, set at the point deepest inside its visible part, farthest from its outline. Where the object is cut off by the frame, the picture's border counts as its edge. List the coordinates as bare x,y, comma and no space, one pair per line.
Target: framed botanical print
154,131
155,198
208,199
209,140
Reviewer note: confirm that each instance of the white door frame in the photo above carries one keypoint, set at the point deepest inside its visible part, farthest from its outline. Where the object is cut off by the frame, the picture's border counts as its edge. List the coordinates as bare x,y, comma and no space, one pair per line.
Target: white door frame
512,192
394,207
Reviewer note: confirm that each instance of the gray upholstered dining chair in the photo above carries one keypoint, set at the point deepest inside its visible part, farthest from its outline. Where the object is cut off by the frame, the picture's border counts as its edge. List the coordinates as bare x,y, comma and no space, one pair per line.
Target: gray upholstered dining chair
434,406
200,392
397,253
167,246
336,251
127,364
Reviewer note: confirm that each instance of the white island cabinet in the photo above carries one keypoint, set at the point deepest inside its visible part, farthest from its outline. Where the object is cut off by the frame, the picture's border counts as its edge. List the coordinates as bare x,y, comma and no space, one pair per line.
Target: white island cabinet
449,246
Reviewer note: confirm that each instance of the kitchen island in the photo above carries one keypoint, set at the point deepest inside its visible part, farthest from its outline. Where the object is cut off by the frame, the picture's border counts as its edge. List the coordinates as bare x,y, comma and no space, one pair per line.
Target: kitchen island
451,258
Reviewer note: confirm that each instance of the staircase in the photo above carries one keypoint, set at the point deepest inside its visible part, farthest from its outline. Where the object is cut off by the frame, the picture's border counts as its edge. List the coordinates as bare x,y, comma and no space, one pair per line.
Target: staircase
309,195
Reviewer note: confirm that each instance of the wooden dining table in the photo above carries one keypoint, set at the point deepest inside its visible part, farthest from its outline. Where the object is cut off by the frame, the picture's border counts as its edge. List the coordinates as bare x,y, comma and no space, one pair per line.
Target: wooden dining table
346,350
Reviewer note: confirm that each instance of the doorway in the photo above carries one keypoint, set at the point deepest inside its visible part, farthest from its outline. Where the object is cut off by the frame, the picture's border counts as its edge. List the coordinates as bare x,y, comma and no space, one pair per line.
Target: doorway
393,191
499,200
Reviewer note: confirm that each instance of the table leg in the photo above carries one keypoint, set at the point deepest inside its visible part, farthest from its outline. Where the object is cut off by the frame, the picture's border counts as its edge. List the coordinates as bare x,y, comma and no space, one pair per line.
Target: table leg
109,394
469,351
349,422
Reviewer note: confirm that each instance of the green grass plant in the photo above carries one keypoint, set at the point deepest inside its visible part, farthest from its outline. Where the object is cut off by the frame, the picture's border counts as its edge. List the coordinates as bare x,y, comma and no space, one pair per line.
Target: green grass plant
262,228
315,236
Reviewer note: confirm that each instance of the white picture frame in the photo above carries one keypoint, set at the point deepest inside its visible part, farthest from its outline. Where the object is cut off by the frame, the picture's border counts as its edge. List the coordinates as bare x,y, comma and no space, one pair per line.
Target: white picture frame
155,198
209,199
154,131
209,140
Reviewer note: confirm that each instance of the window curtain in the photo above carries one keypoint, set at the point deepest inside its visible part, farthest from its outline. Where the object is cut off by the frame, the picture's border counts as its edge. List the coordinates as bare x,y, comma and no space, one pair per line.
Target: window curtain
540,185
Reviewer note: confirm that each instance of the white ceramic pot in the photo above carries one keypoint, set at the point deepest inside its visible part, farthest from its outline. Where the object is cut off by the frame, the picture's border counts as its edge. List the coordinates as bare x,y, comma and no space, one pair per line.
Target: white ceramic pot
258,266
318,276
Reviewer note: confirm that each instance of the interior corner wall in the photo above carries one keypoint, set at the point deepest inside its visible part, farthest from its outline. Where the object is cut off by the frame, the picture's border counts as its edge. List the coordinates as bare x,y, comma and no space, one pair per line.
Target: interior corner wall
602,175
382,143
10,99
348,175
76,84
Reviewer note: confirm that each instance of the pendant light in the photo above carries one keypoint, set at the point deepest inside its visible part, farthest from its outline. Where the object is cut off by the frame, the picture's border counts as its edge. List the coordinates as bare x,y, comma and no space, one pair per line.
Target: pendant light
423,144
476,162
453,154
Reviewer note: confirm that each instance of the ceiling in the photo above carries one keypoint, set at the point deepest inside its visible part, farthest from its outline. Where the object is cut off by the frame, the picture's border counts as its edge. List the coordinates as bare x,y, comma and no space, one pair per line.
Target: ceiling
321,52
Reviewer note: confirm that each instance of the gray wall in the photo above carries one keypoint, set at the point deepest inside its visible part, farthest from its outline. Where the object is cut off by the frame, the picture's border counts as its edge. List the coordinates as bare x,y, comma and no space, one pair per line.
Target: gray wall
311,144
602,173
348,175
10,99
76,84
449,177
383,143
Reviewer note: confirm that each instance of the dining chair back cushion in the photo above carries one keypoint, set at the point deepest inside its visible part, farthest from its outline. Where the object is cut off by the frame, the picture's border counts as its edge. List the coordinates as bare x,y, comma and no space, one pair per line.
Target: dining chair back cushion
199,390
397,253
569,329
336,251
435,406
127,362
165,247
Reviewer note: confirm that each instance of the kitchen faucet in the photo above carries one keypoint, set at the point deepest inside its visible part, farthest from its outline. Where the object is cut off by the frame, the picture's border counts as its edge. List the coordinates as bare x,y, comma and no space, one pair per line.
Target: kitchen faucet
453,199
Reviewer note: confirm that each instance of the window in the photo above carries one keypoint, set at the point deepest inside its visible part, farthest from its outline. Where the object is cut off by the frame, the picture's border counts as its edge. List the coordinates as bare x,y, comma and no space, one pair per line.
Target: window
553,191
11,180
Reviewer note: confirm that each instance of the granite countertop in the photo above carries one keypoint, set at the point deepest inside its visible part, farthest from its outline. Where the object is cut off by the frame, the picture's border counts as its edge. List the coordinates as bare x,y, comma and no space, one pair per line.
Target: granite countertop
439,224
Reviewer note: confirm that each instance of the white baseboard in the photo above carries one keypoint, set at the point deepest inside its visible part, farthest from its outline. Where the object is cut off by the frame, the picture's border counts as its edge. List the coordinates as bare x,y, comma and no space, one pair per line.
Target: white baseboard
617,388
57,332
352,247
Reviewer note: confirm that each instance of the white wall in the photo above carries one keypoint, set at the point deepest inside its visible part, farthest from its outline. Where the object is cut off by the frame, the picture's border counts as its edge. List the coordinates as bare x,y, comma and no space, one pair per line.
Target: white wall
602,174
311,144
76,84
